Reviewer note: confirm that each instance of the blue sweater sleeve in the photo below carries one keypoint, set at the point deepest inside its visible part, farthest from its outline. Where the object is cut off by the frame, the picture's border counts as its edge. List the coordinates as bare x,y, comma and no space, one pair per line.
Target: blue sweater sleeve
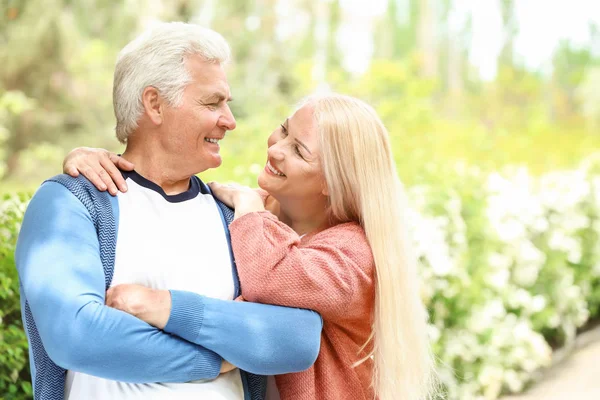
276,340
62,279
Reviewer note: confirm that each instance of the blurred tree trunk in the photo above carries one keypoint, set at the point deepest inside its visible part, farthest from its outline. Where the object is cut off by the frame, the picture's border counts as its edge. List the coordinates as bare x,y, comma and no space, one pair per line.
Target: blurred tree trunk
334,56
570,67
427,38
321,37
457,29
396,33
510,23
454,76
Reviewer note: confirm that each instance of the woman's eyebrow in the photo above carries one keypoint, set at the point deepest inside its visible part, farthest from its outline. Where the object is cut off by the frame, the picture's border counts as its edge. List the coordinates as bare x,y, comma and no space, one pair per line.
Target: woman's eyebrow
303,145
286,124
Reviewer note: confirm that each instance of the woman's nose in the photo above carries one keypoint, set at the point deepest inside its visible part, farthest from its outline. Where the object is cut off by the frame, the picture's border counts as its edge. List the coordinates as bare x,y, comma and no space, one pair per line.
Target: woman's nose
275,151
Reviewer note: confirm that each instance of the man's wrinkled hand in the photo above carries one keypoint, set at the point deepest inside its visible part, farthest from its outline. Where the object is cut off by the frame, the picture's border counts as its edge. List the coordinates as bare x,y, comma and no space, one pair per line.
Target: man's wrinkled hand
149,305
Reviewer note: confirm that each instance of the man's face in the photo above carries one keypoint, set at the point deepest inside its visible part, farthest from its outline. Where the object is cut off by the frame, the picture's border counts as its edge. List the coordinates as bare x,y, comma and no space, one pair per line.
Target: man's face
194,128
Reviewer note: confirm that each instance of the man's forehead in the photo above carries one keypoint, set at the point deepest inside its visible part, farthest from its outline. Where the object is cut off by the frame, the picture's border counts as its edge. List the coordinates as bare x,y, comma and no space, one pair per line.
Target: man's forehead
205,71
218,90
210,87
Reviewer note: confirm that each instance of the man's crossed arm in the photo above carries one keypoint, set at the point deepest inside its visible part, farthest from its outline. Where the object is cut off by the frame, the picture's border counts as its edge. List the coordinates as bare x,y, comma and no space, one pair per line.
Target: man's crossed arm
58,260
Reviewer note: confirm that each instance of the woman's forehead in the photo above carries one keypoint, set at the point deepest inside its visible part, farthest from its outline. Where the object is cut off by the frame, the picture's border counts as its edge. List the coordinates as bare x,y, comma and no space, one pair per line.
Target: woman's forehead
302,120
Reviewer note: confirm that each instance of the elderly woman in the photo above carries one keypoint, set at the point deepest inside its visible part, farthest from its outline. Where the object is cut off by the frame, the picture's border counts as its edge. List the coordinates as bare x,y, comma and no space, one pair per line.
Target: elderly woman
326,233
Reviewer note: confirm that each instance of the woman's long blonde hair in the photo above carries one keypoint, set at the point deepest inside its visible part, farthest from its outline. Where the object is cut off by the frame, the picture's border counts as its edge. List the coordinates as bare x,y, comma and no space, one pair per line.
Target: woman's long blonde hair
363,185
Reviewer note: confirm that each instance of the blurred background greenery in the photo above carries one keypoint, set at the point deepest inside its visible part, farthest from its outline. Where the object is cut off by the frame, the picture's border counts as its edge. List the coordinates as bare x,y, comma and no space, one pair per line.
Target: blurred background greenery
450,78
468,90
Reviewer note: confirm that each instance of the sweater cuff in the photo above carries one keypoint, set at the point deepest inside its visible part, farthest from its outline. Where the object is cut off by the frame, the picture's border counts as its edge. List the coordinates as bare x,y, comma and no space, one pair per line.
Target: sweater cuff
255,217
187,314
207,365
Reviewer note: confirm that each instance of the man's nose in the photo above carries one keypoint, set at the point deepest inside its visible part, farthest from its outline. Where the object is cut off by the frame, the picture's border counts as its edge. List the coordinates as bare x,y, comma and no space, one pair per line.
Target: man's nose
227,120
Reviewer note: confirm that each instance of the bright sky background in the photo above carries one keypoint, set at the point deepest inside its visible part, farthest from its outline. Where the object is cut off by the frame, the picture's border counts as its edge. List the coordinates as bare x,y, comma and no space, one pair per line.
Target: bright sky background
542,24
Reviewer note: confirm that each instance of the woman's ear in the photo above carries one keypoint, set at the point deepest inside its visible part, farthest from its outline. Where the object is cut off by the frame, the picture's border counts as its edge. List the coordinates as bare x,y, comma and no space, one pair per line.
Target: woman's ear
325,190
153,104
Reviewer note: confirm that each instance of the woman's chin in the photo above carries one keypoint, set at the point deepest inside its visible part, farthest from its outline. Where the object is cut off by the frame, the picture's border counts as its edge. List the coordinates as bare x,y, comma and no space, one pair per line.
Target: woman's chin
263,181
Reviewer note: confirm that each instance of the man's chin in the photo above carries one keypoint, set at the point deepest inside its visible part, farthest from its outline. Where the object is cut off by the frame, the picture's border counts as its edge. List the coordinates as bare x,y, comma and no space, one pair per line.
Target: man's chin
205,164
214,162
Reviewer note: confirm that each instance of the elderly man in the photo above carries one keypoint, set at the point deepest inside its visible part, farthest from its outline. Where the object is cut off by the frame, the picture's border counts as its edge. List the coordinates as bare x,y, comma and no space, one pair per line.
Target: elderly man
167,232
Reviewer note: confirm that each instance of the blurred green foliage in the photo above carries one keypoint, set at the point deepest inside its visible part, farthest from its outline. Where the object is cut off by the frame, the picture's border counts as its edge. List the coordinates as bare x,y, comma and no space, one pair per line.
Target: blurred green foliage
15,381
55,85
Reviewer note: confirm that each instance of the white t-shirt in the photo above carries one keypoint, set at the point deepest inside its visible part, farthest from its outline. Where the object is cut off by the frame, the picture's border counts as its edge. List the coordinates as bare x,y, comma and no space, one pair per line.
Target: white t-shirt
159,242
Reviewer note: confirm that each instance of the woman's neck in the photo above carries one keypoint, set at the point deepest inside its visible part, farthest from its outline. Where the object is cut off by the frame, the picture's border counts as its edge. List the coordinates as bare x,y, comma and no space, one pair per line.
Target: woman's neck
301,217
304,227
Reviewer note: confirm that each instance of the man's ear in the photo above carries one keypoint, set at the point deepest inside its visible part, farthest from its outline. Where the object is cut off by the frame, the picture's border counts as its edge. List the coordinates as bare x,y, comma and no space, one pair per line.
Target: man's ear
153,105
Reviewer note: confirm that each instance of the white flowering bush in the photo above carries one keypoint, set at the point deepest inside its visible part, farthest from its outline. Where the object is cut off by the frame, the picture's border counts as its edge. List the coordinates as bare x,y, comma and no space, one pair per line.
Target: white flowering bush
511,269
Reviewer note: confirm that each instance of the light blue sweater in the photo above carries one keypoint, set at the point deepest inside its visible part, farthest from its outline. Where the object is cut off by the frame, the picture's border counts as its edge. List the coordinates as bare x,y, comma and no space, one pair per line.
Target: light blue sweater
64,257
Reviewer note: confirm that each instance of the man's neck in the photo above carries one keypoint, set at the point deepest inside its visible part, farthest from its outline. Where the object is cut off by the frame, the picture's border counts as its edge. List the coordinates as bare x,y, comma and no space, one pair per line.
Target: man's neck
156,166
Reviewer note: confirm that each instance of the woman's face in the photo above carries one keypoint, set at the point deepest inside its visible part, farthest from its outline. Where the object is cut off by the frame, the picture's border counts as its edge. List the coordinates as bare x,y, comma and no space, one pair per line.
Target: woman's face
293,169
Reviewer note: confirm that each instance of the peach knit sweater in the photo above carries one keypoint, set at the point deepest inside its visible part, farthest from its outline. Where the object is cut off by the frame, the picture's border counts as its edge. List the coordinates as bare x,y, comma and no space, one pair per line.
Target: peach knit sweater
330,272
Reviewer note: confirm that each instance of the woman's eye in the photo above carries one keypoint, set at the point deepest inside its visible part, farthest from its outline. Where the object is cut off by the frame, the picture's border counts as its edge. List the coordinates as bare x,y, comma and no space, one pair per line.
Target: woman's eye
297,150
283,129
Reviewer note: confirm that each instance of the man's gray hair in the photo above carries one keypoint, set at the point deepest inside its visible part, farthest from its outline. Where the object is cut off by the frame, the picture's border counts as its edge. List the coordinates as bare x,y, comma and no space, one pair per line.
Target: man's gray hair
157,58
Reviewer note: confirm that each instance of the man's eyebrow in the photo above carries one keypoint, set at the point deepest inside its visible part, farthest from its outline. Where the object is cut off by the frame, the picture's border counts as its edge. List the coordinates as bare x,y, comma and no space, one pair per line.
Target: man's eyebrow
218,97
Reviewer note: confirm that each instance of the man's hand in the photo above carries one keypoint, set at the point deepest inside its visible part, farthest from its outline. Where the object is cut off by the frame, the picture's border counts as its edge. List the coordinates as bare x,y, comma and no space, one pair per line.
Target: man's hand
149,305
99,166
226,366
